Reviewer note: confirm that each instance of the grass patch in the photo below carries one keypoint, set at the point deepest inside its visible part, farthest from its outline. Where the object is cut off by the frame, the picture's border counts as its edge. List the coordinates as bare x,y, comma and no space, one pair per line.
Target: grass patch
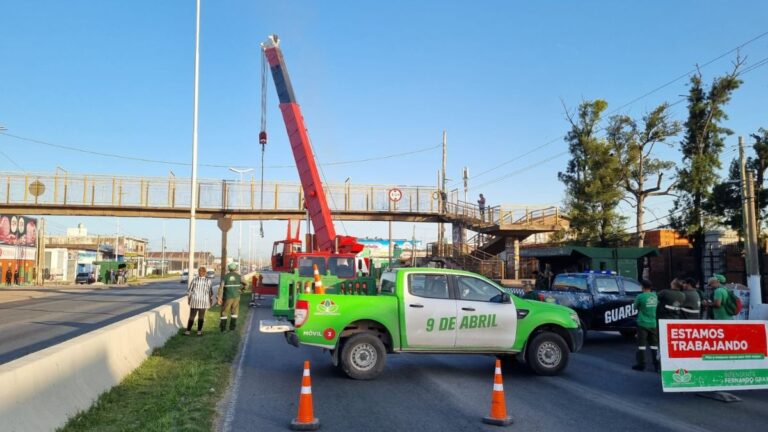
175,389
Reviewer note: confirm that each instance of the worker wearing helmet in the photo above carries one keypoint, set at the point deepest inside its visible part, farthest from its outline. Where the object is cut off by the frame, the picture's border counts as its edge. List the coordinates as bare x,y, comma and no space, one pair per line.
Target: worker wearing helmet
229,297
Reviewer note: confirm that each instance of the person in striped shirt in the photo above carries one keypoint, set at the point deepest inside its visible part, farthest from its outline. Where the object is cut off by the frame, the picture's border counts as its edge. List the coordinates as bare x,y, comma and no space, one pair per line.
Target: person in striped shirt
200,298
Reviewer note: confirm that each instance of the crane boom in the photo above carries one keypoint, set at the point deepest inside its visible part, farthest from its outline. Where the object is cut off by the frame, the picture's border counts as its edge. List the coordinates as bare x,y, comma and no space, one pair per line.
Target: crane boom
314,195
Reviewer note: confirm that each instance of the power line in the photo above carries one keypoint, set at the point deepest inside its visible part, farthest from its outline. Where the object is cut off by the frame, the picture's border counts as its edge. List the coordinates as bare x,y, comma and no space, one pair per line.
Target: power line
11,160
176,163
644,95
755,66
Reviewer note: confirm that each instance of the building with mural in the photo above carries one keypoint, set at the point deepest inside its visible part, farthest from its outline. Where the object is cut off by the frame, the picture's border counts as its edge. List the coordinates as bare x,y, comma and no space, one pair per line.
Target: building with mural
18,246
377,249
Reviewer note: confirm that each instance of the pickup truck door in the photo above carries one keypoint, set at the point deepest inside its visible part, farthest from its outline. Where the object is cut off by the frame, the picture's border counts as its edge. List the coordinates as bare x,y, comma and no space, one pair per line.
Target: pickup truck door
572,290
612,309
429,312
483,321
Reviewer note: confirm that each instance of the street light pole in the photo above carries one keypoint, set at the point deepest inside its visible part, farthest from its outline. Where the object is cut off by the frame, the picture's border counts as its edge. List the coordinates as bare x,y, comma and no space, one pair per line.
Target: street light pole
240,171
193,194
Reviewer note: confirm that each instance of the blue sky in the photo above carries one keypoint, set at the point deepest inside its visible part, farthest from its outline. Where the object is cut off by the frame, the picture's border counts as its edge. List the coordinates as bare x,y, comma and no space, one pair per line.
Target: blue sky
373,78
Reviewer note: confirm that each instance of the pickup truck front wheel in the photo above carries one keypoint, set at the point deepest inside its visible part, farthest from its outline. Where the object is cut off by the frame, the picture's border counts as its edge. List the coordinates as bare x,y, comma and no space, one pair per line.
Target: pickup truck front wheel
547,354
363,356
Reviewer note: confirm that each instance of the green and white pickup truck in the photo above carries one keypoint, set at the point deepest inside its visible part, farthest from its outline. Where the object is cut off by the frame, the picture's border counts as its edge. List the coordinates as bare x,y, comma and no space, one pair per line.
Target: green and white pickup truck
426,310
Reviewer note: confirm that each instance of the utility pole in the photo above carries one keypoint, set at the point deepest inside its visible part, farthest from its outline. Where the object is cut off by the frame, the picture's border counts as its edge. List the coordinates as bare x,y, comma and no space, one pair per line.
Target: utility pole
162,262
465,177
39,279
413,247
240,171
756,310
443,196
390,245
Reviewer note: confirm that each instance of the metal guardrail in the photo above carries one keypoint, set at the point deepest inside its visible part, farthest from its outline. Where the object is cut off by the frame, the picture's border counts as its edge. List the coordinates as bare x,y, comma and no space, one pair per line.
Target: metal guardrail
171,192
504,214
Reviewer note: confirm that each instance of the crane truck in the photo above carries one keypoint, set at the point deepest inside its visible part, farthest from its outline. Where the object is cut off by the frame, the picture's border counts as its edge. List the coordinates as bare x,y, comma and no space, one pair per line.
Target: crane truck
334,256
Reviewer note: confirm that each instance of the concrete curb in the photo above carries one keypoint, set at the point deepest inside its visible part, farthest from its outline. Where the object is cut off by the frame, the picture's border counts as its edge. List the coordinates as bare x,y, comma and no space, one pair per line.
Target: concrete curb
41,391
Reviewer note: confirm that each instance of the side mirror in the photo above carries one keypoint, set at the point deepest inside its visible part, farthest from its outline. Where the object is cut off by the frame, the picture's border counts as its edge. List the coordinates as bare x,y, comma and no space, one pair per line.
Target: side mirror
505,298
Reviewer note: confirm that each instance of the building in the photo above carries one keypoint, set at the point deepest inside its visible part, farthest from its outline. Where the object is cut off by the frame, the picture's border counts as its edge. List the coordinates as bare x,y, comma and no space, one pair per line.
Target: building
83,250
18,247
176,262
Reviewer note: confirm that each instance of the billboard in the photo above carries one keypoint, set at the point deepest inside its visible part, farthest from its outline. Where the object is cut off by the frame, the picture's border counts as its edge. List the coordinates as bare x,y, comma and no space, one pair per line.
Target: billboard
379,248
18,230
711,355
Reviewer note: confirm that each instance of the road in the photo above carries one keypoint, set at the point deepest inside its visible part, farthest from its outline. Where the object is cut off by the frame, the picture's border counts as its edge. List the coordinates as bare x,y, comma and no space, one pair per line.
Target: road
598,392
57,314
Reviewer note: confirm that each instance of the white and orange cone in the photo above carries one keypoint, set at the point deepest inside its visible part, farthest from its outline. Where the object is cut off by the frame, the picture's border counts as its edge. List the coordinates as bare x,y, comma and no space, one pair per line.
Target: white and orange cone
498,416
319,289
305,420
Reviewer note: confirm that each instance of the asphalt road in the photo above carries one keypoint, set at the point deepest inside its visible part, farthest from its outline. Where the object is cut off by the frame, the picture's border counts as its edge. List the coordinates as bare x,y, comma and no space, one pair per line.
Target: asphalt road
32,324
416,392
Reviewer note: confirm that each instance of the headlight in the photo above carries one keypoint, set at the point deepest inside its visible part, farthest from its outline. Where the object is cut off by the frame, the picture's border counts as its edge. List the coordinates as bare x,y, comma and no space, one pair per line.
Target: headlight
575,318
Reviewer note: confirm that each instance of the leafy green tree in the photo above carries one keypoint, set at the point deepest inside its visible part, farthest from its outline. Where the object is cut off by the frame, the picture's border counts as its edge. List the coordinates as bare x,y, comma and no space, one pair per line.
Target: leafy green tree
701,148
726,200
641,174
592,179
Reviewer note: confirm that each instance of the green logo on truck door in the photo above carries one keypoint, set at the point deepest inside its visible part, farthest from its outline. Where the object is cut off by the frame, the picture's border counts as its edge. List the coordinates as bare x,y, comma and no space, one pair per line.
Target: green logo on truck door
327,307
467,322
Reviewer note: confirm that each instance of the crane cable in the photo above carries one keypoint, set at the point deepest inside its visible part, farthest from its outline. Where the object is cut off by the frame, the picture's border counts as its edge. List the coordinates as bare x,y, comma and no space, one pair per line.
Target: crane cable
263,133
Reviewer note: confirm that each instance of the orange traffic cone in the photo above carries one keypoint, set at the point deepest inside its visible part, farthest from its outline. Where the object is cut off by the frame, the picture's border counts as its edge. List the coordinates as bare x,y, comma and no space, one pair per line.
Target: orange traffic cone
305,420
498,416
319,289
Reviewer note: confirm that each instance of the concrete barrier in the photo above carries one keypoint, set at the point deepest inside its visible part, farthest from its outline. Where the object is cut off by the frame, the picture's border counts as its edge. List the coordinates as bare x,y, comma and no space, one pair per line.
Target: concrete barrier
42,390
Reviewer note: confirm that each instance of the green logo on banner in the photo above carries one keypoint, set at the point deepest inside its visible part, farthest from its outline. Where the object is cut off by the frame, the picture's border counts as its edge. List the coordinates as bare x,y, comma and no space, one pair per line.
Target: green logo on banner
682,376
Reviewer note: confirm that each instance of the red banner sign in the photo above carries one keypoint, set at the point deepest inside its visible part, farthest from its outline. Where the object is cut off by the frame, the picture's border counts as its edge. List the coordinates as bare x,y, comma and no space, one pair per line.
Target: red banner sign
696,340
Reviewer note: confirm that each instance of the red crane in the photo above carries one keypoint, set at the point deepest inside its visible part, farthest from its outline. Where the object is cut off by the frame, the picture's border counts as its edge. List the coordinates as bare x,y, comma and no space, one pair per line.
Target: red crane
326,241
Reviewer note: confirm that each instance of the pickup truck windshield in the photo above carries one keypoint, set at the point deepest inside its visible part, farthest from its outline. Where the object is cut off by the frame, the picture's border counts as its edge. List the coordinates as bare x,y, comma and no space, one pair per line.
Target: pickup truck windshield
343,267
570,283
305,265
606,285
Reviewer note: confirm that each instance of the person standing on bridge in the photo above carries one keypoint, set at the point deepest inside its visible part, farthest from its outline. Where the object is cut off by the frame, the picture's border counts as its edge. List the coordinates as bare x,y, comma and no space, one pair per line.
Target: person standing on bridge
200,298
229,297
481,207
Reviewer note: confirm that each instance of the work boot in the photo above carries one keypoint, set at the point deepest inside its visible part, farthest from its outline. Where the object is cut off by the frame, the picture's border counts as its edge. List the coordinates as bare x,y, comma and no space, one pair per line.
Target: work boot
640,358
223,324
233,323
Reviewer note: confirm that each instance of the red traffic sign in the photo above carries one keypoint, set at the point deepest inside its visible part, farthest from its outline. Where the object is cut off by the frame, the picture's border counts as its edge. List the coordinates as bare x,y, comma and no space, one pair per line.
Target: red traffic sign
395,195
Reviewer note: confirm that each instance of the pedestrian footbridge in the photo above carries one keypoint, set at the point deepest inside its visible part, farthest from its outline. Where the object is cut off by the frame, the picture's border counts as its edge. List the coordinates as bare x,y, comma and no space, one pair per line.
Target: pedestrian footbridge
170,197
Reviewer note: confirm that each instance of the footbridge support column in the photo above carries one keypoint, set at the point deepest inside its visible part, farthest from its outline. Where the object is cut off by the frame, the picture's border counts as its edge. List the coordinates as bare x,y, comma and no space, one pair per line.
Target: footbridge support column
224,224
512,247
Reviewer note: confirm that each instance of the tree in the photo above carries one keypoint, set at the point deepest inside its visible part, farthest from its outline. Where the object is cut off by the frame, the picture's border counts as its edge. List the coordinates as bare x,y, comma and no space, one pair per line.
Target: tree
701,148
591,179
726,201
633,146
